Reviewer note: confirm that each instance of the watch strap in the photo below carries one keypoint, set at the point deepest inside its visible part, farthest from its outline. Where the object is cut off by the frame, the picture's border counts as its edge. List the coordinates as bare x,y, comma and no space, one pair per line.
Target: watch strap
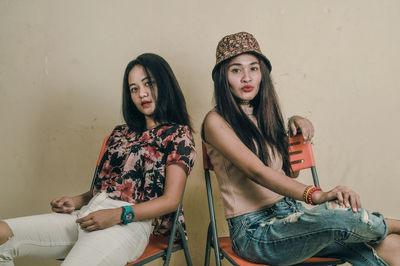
128,215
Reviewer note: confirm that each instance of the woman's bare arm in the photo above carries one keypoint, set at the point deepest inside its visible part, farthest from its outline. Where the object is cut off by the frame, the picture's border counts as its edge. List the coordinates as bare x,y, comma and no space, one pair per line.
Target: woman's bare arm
69,204
219,134
167,203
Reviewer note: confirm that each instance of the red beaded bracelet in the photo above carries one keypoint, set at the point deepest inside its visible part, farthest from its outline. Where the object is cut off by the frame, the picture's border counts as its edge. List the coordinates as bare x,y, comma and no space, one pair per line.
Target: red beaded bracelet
309,199
305,193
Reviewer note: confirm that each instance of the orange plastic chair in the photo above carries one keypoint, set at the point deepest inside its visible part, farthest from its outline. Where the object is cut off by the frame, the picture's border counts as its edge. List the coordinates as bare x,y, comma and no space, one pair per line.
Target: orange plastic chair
301,157
159,246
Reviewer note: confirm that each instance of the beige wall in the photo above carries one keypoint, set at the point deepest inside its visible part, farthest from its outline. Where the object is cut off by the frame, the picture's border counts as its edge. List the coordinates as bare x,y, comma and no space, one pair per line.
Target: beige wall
61,64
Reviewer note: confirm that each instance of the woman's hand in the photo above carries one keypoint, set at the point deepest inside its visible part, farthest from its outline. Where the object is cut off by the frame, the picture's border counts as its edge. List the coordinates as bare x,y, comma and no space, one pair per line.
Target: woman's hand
70,204
345,197
297,122
101,219
62,205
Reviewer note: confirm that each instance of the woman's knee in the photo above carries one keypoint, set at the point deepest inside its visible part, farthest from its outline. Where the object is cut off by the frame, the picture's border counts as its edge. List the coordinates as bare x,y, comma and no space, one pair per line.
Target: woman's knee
342,213
364,225
389,249
5,232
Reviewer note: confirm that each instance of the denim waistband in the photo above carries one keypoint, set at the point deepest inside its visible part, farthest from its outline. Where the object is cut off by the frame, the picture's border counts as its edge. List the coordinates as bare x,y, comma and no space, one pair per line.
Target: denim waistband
286,202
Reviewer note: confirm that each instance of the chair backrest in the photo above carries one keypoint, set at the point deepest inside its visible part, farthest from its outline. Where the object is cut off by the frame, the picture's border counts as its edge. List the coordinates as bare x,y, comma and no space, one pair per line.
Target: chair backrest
102,151
301,156
300,153
206,160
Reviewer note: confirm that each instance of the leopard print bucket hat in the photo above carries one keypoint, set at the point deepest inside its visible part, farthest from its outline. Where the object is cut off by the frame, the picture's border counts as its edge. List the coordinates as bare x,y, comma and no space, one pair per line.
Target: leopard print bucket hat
236,44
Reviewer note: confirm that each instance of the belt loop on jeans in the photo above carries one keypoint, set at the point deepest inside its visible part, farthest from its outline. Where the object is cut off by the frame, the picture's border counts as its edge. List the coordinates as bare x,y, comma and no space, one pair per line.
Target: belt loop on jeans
229,222
238,219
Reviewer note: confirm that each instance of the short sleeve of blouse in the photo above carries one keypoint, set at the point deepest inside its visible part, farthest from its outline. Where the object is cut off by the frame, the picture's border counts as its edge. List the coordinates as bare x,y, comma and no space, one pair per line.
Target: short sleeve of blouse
180,147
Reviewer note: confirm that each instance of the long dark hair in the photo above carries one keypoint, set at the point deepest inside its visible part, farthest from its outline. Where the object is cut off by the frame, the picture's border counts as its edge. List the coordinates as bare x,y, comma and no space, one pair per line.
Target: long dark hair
271,128
170,103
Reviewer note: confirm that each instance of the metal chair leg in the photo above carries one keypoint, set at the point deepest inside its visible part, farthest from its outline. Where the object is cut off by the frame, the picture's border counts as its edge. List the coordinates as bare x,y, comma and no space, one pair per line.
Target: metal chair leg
214,237
208,247
185,246
173,232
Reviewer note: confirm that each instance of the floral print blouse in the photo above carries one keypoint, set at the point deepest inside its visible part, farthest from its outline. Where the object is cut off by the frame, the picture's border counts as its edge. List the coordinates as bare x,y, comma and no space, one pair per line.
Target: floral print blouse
133,168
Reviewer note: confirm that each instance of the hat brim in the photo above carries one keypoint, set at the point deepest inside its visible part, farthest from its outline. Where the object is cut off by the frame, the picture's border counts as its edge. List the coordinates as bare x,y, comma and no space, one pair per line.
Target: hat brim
266,61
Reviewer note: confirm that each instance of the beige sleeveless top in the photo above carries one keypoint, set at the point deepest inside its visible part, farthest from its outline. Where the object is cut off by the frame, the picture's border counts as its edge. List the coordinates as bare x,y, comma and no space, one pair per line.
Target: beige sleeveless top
240,194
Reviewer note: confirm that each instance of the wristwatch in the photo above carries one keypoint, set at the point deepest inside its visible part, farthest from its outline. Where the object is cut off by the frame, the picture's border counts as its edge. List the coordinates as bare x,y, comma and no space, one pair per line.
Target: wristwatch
128,215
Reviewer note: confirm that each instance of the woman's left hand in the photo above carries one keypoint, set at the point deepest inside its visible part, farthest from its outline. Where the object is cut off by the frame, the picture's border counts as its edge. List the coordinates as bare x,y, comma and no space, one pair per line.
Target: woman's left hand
345,196
297,122
101,219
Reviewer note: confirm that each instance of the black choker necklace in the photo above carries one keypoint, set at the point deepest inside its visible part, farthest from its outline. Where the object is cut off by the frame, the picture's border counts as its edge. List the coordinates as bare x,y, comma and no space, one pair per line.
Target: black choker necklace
244,102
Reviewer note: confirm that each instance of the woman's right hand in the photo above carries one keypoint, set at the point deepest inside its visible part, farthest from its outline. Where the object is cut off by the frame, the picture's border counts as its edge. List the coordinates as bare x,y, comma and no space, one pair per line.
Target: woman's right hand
62,205
346,197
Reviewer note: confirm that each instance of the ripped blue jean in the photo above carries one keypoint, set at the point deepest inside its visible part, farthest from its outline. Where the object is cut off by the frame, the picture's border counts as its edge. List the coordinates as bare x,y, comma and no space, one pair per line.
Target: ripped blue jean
288,233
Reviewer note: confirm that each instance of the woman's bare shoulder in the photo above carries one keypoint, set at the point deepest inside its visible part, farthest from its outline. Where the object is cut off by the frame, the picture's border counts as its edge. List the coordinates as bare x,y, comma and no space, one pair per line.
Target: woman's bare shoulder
216,128
212,116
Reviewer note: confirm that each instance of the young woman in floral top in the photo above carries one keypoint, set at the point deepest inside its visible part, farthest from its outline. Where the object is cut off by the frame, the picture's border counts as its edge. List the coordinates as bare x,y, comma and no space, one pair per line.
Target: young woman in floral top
141,176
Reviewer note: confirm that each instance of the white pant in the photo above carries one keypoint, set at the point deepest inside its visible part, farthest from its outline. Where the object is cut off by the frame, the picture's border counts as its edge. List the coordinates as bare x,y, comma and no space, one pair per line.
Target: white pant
57,235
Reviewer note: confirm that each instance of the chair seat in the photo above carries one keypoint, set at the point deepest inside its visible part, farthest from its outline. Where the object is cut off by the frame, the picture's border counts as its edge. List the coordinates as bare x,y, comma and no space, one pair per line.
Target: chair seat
226,245
157,245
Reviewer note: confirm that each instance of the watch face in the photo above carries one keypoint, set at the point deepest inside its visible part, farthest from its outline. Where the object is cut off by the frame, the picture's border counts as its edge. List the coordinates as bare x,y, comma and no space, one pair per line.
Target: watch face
129,216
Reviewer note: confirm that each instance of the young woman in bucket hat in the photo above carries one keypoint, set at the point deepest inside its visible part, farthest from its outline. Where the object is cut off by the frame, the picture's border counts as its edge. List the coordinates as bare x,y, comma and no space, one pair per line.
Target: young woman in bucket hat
247,144
141,176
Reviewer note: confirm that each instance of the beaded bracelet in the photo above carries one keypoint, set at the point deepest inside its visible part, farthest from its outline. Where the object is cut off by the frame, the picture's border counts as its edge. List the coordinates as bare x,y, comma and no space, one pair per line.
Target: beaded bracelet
309,198
306,192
